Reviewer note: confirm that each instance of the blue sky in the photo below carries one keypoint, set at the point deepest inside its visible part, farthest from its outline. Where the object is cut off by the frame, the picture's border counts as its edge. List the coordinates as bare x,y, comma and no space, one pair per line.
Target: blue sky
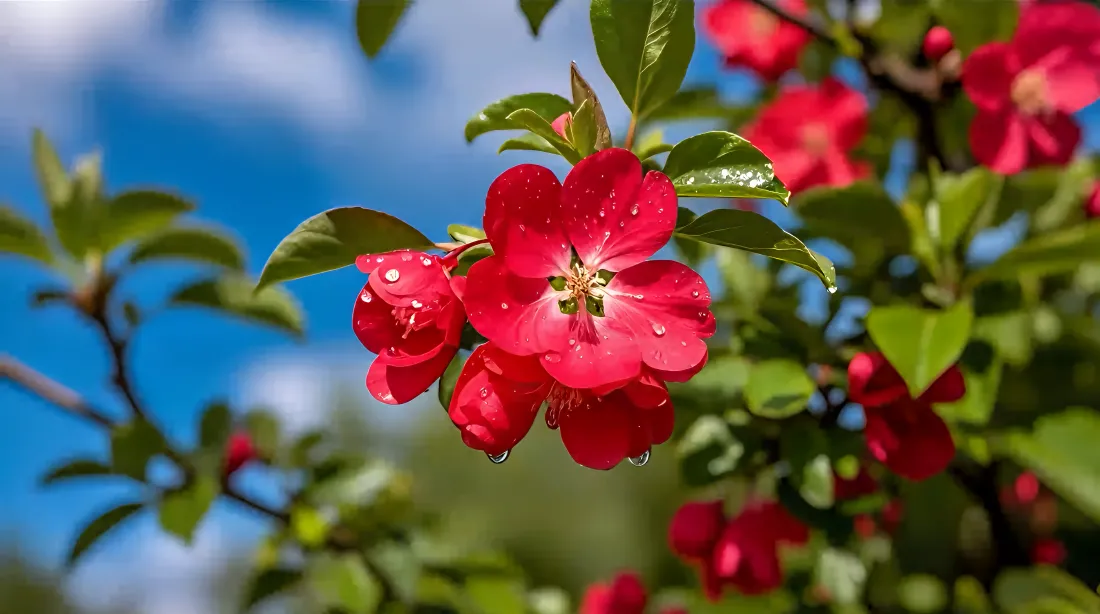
265,114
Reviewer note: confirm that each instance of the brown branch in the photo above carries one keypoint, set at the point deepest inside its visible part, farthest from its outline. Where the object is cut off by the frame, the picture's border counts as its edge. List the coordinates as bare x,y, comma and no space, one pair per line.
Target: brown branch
811,27
981,483
48,390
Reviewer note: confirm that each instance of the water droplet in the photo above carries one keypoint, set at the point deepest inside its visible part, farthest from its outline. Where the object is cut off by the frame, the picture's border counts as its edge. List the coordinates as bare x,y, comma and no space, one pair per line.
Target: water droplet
832,289
639,296
602,213
552,357
379,259
499,458
694,294
416,304
504,305
572,342
392,275
640,460
658,329
634,210
483,393
622,224
366,297
684,343
426,261
606,234
522,228
406,257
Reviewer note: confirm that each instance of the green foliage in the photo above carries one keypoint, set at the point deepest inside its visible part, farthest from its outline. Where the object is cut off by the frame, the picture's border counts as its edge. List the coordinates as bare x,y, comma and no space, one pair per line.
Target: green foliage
197,244
375,21
269,583
539,126
100,526
495,116
22,237
133,445
79,468
343,582
998,22
135,214
234,294
1061,451
778,388
920,343
181,510
536,11
722,164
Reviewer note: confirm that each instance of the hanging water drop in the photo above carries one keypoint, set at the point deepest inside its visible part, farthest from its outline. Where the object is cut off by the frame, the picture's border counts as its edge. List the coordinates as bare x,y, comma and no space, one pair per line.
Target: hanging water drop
366,297
499,458
694,294
832,289
658,329
639,460
392,275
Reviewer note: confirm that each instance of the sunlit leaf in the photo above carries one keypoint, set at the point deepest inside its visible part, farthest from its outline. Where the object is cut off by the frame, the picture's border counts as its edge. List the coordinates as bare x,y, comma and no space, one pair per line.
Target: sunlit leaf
343,581
722,165
527,142
583,93
375,21
136,214
1062,452
778,388
233,294
99,527
197,244
1049,254
495,116
20,236
133,445
920,343
183,509
536,11
526,118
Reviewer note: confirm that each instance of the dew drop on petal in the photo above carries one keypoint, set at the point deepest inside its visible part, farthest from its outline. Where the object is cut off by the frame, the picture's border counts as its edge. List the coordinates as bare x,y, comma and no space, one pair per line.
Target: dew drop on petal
483,393
406,257
640,460
658,329
366,297
694,294
572,342
416,304
552,357
522,228
392,275
602,213
499,458
426,261
634,210
504,305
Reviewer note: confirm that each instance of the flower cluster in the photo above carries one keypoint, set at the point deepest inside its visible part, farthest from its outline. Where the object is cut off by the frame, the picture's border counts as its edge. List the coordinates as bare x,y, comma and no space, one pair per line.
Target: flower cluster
625,594
753,37
574,314
741,552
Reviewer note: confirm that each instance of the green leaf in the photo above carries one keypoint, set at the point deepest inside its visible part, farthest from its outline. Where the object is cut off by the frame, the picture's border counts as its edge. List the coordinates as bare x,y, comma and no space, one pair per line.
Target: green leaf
333,239
465,234
816,485
1062,452
854,216
645,153
263,428
778,388
535,11
270,582
982,387
722,165
98,527
527,142
1017,590
79,468
959,198
645,46
449,379
495,595
842,573
182,510
746,282
922,594
920,343
708,451
343,581
755,233
52,178
582,130
375,21
583,93
21,237
1053,253
136,214
495,116
215,426
133,445
197,244
901,25
233,294
526,118
997,23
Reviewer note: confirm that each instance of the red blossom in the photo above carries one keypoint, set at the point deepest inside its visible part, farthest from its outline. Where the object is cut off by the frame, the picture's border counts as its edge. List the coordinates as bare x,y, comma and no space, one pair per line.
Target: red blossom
744,553
410,314
655,313
624,595
864,525
1027,89
497,396
1048,551
808,132
903,433
892,514
1092,203
859,486
561,123
753,37
937,43
239,451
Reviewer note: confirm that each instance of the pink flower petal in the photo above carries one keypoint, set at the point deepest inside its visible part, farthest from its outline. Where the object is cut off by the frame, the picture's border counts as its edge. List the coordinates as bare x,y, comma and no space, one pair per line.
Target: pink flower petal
665,306
947,388
519,314
987,76
682,376
873,381
910,439
999,141
523,221
403,276
695,528
846,111
596,433
394,385
614,217
1054,139
592,352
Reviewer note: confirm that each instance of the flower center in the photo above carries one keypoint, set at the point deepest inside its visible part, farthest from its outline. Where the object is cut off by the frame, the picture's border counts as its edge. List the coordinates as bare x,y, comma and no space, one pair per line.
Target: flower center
560,401
414,317
584,288
815,139
763,23
1029,92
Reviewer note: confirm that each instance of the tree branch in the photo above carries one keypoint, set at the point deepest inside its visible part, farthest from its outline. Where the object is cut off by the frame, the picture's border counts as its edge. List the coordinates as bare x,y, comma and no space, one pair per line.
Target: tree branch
813,28
981,483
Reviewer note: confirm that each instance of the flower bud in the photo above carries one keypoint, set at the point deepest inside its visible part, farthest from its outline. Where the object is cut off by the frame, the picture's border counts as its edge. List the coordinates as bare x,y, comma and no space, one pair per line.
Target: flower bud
239,451
938,42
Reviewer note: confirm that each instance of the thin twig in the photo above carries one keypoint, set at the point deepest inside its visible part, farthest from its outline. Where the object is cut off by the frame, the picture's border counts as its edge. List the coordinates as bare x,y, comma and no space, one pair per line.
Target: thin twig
51,391
813,28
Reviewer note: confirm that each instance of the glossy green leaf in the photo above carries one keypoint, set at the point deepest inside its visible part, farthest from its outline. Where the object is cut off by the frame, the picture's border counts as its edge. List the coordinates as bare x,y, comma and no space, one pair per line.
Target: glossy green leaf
778,388
958,198
133,445
182,510
496,595
215,426
536,11
269,583
708,451
842,573
854,216
920,343
79,468
495,116
53,180
263,428
135,214
582,130
527,142
997,23
645,47
449,379
1053,253
233,294
583,93
647,152
526,118
1062,452
465,234
197,244
20,236
99,527
343,581
753,232
375,21
722,165
333,239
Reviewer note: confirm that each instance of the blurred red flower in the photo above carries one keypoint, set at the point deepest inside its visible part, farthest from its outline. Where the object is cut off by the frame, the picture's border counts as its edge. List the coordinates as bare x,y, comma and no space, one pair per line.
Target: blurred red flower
754,37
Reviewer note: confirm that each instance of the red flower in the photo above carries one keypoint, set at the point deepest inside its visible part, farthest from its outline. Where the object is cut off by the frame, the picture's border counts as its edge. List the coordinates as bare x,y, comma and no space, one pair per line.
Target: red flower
1027,89
743,553
498,394
937,43
1048,551
653,313
808,131
410,314
239,451
892,514
859,486
903,433
864,525
625,595
1092,204
751,36
1026,488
